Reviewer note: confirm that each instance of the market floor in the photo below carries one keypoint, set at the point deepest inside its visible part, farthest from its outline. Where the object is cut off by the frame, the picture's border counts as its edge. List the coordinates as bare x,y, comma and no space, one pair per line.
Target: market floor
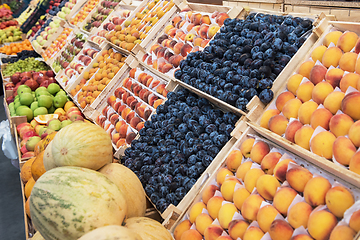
11,207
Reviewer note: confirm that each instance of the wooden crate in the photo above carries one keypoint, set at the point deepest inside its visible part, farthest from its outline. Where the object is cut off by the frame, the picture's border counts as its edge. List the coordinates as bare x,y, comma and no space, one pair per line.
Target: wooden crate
274,5
251,132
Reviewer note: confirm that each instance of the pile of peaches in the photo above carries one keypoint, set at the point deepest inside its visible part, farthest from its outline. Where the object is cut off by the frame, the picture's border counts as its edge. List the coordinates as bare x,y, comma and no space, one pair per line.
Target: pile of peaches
136,29
188,32
131,105
263,194
95,80
57,45
319,110
84,12
78,65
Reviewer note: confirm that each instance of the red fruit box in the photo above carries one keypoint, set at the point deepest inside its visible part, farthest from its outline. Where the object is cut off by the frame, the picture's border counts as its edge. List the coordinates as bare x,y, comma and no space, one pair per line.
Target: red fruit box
324,113
124,109
285,167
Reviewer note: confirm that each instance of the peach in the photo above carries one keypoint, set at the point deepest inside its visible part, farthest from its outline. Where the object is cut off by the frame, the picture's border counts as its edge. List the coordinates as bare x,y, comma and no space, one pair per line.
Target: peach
306,110
357,46
299,214
251,178
246,147
196,210
258,151
233,161
342,232
123,130
178,47
266,215
226,214
347,41
318,53
130,137
204,43
224,238
175,60
251,206
213,206
322,144
283,198
253,233
305,68
317,74
269,162
340,124
237,228
115,138
321,117
334,76
212,232
139,126
209,192
202,222
350,105
221,175
332,37
321,223
264,121
239,197
304,91
181,228
212,31
197,41
291,108
281,168
315,191
302,237
354,133
294,82
333,101
321,91
331,57
348,61
203,31
350,79
338,199
278,124
298,177
266,186
343,150
243,169
191,234
280,230
354,221
227,188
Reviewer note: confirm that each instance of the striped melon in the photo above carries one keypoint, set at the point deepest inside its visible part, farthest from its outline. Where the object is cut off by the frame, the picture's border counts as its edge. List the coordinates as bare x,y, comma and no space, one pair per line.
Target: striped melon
130,185
67,202
82,144
148,229
37,236
112,232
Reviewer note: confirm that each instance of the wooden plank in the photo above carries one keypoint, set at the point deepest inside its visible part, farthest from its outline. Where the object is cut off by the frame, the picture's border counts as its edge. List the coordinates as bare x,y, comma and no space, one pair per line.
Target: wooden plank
264,5
345,4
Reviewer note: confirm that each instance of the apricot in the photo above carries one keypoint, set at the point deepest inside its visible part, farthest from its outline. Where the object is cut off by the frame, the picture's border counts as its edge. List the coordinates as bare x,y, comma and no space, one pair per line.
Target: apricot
291,108
278,124
221,175
322,143
282,99
181,228
305,68
299,214
191,234
196,210
334,76
350,105
321,91
321,117
354,135
266,185
292,129
237,228
354,221
318,53
340,124
320,224
243,169
209,192
281,169
350,79
280,230
212,232
213,206
317,74
233,161
304,91
266,215
240,195
202,221
354,164
302,237
227,188
294,82
343,150
283,198
253,233
226,214
251,206
333,101
298,177
306,110
338,199
269,162
342,232
332,37
246,147
258,151
348,61
331,57
347,41
315,191
251,178
264,121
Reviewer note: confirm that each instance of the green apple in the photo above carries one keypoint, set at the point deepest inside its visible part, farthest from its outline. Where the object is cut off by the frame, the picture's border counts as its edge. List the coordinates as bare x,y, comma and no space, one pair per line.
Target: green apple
16,97
55,124
31,142
17,104
61,92
34,105
26,99
41,93
60,100
53,88
25,111
65,123
39,89
23,89
42,130
40,111
45,101
11,105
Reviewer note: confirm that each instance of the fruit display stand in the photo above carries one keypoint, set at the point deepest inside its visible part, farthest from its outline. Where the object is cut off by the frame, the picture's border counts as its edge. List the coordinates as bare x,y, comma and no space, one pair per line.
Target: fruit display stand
343,10
79,4
286,161
274,5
